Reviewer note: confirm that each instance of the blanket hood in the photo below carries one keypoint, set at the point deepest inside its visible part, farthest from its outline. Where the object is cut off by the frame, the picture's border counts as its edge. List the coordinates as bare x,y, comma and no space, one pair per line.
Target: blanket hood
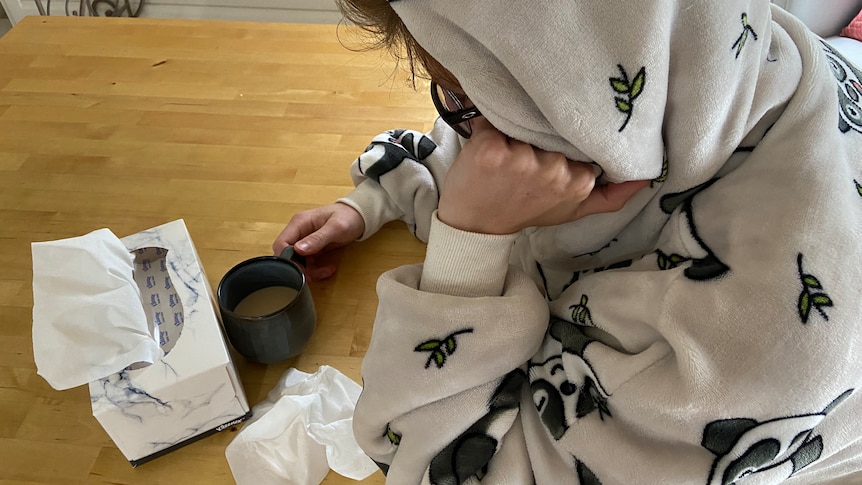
617,83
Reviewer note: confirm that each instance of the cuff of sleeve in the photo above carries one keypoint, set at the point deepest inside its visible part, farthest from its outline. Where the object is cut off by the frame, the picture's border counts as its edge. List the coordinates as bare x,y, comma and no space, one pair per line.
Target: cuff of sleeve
461,263
373,204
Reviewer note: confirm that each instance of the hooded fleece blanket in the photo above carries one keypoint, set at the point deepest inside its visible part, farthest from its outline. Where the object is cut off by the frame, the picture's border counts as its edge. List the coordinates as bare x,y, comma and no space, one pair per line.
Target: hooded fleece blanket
708,333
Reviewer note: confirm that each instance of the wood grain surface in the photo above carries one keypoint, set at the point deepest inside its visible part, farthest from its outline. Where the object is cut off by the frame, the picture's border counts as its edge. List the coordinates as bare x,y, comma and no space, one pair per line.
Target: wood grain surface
233,127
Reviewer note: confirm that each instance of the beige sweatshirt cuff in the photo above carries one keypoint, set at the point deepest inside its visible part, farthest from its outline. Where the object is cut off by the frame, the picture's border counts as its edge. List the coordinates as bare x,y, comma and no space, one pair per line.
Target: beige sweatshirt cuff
461,263
373,204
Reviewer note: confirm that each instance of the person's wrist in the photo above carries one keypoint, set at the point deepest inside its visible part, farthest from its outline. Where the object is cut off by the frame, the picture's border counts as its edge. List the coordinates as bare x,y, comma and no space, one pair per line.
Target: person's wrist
464,220
462,263
352,218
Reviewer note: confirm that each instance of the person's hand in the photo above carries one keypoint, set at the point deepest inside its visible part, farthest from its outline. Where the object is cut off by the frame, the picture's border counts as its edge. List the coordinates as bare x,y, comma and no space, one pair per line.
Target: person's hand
316,232
500,186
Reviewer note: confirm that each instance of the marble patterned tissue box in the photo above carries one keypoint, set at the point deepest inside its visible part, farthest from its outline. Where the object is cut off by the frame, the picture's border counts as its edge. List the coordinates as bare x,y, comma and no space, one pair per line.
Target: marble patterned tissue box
193,390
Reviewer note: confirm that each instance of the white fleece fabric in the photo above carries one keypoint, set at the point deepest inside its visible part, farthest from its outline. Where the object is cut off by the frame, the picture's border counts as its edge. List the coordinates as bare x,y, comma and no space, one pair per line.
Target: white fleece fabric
708,333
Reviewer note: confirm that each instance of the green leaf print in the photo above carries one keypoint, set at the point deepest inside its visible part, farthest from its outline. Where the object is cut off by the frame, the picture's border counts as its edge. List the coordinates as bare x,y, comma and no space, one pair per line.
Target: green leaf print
451,344
623,105
439,350
809,299
394,437
666,262
620,85
582,315
811,281
629,91
429,345
804,306
664,173
638,83
580,312
747,32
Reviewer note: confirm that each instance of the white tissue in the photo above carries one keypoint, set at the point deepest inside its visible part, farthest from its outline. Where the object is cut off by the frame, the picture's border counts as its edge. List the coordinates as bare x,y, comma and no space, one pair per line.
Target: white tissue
302,429
88,320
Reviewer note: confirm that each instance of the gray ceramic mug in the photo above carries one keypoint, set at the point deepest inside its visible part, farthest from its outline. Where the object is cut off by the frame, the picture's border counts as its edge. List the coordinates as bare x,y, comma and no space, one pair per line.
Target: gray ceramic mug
266,307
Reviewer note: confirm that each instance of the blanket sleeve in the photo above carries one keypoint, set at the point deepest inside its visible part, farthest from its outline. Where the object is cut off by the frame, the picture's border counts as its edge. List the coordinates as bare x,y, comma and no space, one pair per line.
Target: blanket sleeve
399,175
444,371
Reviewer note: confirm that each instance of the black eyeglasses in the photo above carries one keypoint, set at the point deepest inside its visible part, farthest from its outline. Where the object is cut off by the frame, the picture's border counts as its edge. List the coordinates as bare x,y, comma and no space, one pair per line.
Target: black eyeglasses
451,107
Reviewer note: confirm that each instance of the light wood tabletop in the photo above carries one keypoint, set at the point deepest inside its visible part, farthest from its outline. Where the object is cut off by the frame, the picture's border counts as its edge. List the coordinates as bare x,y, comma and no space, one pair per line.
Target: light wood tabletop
233,127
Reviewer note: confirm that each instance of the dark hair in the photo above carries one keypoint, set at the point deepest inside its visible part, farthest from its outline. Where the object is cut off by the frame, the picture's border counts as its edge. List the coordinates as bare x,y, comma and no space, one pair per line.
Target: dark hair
387,31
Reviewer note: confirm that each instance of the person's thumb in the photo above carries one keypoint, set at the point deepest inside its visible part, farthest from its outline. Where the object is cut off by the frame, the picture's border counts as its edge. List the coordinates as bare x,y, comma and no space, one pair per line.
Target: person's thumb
314,242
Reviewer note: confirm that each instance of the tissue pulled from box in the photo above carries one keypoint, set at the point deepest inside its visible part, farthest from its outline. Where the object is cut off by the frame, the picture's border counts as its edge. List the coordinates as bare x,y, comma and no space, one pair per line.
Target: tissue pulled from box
88,319
302,430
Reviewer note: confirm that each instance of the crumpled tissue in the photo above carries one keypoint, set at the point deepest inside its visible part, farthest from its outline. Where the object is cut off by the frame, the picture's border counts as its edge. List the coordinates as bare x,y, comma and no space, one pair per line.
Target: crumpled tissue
88,318
302,429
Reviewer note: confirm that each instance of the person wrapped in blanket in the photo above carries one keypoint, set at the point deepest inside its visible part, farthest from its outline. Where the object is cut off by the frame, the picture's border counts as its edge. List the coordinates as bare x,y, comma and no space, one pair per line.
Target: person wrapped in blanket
644,261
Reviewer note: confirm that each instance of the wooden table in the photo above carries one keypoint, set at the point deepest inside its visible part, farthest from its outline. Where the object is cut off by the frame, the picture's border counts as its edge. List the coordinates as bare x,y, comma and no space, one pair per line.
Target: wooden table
234,127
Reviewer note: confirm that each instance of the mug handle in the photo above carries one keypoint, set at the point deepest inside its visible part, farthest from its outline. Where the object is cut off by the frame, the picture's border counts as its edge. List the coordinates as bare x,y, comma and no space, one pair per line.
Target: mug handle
290,255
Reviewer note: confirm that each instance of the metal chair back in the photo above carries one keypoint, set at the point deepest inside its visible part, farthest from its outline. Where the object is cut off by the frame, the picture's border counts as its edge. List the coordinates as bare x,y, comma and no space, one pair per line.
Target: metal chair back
95,8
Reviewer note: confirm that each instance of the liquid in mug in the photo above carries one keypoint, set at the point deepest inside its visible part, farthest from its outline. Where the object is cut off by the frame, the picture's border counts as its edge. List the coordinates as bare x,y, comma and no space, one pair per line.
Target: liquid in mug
265,301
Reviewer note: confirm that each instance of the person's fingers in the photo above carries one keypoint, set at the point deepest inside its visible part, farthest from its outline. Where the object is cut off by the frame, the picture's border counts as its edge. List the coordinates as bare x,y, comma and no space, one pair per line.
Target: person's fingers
287,236
316,241
300,226
610,197
581,178
480,124
483,129
318,273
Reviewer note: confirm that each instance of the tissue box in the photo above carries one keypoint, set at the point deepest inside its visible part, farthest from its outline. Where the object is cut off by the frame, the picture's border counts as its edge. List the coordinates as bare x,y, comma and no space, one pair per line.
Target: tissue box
193,390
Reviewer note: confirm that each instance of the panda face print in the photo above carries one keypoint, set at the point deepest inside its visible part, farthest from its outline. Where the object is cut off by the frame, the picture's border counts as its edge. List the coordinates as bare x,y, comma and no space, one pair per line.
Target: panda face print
849,90
553,395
